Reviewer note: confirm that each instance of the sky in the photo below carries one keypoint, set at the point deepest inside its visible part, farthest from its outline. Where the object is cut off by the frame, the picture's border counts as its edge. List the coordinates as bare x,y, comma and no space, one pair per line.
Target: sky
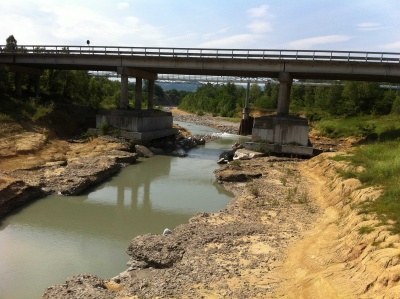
360,25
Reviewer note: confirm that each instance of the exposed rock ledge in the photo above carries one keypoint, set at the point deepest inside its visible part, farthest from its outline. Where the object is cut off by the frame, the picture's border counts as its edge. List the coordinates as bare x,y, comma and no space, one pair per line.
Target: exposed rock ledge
57,166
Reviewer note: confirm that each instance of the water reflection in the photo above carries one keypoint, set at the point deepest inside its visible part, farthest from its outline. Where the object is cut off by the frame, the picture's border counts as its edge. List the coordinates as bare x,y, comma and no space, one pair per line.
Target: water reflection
57,236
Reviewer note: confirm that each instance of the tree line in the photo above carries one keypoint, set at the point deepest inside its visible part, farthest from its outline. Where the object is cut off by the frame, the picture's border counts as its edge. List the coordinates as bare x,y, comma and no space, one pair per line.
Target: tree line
335,98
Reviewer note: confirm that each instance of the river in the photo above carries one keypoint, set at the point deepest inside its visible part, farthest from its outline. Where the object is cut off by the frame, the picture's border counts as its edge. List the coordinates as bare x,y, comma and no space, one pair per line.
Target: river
57,237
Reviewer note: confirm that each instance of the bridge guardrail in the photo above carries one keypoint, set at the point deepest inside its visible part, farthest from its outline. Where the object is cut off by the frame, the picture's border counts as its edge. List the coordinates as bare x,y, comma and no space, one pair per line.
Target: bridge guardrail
271,54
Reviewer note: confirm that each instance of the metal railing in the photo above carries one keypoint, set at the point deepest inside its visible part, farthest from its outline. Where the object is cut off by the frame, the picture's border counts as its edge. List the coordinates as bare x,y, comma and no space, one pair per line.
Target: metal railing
270,54
191,78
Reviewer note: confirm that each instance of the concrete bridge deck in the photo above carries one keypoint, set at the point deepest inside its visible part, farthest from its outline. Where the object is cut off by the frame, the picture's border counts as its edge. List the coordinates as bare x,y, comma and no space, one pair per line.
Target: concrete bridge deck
149,61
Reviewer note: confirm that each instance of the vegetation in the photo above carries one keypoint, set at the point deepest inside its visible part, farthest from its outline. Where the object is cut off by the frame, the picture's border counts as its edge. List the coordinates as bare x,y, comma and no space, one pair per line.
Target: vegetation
375,127
381,163
59,89
216,99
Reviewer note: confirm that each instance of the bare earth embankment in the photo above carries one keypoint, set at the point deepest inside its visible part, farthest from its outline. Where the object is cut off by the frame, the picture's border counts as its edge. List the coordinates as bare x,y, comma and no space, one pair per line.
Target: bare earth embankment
32,165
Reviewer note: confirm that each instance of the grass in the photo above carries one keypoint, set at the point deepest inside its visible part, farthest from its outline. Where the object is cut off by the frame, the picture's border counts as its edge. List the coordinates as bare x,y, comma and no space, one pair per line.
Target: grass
254,190
363,230
5,118
381,128
382,168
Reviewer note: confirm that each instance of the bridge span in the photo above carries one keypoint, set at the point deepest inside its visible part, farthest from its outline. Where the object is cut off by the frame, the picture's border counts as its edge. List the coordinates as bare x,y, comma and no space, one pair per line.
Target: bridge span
148,62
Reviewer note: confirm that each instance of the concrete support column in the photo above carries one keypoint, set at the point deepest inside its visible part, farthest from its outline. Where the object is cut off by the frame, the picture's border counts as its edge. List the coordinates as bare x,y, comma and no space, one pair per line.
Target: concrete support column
124,102
150,101
138,93
285,84
246,109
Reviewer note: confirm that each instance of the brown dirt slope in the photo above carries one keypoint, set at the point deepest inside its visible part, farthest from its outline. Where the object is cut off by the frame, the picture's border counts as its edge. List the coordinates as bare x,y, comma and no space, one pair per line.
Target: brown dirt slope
335,260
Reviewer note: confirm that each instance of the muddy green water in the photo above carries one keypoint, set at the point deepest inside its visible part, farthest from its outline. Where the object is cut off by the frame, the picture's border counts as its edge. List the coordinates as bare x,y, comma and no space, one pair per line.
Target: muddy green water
58,237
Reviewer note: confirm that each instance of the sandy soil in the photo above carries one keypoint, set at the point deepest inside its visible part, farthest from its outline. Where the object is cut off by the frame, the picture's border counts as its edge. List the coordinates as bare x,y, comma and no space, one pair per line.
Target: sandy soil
335,260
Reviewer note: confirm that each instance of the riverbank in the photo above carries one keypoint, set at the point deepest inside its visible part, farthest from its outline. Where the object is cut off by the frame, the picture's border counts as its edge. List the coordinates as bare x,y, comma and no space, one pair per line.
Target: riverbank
293,232
216,122
33,165
233,253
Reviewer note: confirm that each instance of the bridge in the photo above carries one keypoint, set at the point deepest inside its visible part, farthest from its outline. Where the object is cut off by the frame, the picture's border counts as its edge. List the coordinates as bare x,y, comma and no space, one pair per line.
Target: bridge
149,62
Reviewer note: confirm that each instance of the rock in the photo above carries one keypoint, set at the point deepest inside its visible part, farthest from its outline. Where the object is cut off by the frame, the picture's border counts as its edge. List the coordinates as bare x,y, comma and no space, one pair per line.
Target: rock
30,142
231,175
156,251
166,232
226,156
200,141
83,173
55,163
244,154
80,286
157,150
179,153
15,193
143,151
123,156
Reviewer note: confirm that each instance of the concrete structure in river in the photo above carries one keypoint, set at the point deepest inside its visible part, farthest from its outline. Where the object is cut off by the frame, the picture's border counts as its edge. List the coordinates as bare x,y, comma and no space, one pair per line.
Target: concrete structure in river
147,63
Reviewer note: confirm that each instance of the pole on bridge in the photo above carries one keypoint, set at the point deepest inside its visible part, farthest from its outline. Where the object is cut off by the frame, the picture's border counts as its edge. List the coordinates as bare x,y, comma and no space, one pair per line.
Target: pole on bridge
285,84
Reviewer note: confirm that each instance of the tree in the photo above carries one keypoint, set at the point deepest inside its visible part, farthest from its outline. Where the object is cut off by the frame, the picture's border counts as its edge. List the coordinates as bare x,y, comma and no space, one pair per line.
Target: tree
11,44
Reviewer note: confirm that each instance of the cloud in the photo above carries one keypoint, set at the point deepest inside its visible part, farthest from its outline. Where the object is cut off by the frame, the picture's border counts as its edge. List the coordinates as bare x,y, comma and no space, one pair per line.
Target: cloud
234,41
395,46
122,5
260,26
258,12
71,23
311,42
369,26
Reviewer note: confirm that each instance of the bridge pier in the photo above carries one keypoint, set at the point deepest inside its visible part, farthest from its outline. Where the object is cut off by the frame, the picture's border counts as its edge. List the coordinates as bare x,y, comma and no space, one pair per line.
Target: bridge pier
138,93
285,84
282,133
137,124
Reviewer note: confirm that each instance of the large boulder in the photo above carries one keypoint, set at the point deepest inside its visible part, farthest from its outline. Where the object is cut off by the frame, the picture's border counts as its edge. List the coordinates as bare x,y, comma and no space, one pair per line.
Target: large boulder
156,251
143,151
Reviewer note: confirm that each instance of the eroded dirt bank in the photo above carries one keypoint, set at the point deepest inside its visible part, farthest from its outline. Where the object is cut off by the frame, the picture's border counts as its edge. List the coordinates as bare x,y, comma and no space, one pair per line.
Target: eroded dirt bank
346,254
32,165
